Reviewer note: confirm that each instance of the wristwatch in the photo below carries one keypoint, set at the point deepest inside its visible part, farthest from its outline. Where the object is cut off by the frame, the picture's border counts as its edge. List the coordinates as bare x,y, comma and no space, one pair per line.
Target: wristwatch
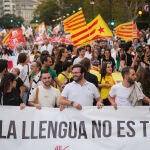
72,102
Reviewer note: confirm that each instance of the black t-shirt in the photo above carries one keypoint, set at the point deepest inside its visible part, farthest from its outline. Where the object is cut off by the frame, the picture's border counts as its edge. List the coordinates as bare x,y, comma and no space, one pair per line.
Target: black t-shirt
110,61
58,67
91,78
19,84
12,98
128,58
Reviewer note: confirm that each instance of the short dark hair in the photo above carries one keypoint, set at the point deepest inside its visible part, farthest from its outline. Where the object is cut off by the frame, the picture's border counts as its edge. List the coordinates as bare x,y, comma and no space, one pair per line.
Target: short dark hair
86,63
44,57
65,65
38,64
127,46
126,71
22,58
80,49
82,68
45,71
3,65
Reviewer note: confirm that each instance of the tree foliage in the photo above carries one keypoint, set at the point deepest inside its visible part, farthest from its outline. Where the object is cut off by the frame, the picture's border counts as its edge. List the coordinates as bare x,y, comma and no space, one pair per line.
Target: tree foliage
10,21
119,10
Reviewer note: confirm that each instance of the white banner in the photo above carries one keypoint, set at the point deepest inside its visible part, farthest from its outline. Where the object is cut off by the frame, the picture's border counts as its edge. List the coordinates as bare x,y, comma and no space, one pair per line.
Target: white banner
90,129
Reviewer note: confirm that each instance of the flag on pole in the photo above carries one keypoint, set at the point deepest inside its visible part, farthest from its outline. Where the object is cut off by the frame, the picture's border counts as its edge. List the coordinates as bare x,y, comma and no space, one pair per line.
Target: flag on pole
56,29
40,33
13,38
99,29
127,31
96,29
74,22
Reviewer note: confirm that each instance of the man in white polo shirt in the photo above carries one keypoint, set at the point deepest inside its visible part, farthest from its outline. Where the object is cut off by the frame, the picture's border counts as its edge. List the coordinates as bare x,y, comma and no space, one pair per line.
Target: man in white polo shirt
79,92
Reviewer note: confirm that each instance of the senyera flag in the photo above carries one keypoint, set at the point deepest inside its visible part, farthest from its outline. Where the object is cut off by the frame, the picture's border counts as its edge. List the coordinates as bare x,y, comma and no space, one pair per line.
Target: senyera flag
13,38
127,31
74,22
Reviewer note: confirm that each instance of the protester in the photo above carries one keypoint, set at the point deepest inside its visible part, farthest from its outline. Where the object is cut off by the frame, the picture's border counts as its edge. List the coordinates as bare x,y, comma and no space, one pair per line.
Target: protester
8,93
127,58
120,93
3,67
24,74
61,58
143,71
106,82
95,61
79,92
89,76
65,76
88,51
35,77
108,59
81,55
44,95
20,83
46,61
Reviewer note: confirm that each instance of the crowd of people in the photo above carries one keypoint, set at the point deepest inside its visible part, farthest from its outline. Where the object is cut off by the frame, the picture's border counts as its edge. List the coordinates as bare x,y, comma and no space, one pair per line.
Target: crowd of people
59,75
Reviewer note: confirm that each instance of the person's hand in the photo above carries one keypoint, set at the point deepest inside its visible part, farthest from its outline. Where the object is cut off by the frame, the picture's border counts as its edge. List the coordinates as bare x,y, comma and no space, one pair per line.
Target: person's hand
37,106
107,85
61,107
99,104
22,106
77,106
114,105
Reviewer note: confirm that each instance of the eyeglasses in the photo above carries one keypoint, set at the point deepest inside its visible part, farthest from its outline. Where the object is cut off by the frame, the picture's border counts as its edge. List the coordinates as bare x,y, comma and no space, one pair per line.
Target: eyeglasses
75,72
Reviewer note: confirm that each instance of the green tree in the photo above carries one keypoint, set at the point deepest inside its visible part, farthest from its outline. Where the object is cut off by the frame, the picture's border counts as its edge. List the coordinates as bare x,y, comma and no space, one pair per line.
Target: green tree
47,11
119,11
10,21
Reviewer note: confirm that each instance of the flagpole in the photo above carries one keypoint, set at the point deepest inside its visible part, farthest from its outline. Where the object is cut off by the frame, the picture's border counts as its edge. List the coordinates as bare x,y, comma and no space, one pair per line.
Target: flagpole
92,2
111,18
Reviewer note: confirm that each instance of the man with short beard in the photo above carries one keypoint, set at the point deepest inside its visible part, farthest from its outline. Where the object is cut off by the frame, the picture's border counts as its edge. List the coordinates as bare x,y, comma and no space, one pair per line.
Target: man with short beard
80,92
44,95
120,93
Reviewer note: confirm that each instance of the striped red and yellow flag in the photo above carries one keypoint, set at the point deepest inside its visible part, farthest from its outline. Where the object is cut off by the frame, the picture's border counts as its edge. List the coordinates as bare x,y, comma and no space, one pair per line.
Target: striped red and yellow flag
127,31
96,29
7,37
74,22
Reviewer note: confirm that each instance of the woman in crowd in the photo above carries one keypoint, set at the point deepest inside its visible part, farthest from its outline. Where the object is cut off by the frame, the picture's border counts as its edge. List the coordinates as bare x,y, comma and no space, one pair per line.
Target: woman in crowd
61,58
8,93
143,71
108,59
95,61
35,50
5,53
106,82
88,52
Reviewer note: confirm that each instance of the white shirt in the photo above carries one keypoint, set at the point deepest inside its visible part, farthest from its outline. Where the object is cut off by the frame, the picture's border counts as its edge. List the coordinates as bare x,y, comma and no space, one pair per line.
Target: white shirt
83,95
121,94
46,97
23,75
77,60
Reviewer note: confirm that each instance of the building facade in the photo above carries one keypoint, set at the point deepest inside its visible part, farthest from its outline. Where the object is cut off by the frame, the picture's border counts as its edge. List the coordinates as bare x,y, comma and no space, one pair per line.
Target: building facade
22,8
